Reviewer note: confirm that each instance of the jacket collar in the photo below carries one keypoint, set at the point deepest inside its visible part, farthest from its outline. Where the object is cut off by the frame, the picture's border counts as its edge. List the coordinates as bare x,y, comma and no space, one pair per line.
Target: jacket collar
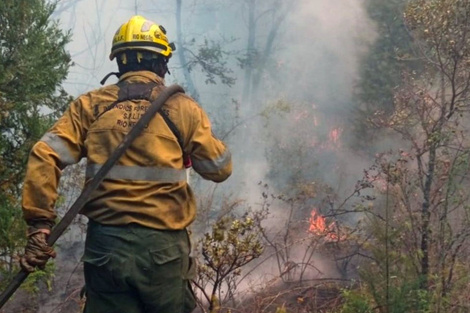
142,76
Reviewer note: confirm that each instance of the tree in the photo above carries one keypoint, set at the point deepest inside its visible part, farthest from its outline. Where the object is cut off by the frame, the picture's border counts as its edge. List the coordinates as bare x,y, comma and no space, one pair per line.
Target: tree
264,19
420,230
432,107
381,69
208,55
33,64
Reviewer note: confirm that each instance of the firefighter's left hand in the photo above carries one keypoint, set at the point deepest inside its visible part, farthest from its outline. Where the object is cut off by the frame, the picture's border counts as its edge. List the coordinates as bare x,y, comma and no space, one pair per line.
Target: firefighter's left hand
37,252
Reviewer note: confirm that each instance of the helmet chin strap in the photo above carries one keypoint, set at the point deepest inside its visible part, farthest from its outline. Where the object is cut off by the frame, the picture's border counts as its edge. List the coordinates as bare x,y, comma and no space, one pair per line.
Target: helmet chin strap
103,81
118,74
159,68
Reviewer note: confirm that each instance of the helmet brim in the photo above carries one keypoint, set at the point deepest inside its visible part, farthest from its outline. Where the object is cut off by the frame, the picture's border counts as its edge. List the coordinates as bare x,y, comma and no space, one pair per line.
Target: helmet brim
136,45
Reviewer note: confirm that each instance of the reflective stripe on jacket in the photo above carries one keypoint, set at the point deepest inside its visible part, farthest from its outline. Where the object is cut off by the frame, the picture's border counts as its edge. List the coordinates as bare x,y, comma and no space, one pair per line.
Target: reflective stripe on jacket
148,184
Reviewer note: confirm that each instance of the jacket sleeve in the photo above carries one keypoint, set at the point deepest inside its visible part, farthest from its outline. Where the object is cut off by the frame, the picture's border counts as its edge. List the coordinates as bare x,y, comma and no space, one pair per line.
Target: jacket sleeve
210,156
60,146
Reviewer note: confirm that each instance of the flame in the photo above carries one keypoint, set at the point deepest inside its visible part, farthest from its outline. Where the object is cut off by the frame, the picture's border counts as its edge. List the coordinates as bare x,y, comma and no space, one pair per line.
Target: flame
319,227
334,140
334,135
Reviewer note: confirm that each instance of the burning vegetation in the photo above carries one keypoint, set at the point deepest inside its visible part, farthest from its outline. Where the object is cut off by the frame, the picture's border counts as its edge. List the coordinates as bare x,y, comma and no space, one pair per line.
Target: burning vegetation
320,227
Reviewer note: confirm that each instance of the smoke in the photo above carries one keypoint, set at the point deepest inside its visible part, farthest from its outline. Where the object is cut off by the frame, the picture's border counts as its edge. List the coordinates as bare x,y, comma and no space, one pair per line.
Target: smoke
325,42
313,65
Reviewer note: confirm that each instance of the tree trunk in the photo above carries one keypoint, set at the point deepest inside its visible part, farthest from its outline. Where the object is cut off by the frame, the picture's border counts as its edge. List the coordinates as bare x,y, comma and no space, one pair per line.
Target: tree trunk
182,57
250,50
425,219
268,48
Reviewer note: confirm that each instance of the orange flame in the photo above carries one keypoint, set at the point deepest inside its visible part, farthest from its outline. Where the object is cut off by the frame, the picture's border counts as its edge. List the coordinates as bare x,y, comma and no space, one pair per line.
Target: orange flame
335,134
319,227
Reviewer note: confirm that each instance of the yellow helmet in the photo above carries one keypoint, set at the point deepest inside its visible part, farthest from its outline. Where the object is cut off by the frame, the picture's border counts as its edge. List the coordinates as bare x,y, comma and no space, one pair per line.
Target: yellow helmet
141,34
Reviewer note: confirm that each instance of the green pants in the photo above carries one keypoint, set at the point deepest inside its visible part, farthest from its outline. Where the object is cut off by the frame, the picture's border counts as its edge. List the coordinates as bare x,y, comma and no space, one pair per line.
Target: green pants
134,269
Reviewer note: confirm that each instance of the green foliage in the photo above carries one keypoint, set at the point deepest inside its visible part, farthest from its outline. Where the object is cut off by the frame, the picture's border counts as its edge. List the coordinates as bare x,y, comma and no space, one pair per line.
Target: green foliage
232,243
281,309
46,276
390,278
355,302
406,298
33,64
442,25
12,237
212,59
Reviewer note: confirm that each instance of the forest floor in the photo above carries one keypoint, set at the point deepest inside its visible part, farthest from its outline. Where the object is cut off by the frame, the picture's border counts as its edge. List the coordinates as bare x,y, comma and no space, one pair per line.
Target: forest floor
63,296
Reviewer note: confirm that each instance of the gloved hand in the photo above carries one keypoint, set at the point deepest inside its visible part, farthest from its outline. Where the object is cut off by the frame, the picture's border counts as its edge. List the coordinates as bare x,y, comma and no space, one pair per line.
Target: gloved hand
37,251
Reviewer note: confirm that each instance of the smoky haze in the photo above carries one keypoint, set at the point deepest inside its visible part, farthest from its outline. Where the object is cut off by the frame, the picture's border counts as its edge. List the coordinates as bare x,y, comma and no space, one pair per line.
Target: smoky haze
309,62
293,85
314,59
305,54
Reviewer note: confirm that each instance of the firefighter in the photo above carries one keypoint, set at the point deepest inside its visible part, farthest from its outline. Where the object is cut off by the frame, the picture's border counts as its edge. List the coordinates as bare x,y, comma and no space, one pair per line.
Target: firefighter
137,249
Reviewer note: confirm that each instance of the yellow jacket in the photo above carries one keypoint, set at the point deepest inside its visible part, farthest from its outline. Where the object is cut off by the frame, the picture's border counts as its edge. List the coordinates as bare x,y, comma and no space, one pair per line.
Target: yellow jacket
148,183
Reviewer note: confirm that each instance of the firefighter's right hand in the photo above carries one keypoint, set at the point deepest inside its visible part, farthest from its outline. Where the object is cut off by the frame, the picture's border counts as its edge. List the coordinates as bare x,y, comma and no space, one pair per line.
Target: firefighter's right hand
36,252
